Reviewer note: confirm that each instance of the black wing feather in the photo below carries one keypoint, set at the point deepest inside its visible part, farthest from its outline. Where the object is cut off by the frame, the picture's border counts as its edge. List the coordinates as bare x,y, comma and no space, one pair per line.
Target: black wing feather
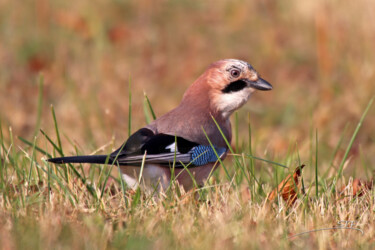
157,148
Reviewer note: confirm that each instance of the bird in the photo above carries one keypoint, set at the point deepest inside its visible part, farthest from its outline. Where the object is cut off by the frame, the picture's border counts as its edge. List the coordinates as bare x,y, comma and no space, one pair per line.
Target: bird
185,144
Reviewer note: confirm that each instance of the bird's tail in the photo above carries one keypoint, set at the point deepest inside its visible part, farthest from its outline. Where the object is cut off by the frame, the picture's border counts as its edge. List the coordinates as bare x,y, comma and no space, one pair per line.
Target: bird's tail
98,159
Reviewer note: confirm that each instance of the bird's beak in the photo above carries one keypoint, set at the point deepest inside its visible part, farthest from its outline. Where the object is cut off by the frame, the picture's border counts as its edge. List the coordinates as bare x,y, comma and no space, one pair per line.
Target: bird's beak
259,84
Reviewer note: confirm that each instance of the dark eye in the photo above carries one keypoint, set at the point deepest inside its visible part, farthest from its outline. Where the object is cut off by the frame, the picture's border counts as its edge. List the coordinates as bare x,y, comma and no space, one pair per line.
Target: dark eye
235,73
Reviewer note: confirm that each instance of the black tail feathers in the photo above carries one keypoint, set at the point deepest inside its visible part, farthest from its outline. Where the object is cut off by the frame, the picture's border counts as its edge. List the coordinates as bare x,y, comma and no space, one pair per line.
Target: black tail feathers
98,159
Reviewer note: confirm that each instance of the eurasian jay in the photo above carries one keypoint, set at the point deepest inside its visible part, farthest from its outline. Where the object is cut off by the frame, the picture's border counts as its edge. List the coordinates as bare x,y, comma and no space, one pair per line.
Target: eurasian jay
177,141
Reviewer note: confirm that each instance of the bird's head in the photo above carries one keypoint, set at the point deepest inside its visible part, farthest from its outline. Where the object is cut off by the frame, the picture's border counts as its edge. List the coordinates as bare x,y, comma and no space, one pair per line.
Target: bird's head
224,87
230,83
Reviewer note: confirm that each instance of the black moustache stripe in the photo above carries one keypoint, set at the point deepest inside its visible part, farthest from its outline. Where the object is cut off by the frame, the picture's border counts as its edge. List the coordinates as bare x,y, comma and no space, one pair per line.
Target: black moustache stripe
235,86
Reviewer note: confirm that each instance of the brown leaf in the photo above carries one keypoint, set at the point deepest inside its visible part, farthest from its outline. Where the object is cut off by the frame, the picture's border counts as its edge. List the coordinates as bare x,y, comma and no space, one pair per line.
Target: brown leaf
288,188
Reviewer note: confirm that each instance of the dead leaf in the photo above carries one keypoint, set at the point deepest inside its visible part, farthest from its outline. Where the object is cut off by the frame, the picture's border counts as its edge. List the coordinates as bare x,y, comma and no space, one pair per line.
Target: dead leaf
288,188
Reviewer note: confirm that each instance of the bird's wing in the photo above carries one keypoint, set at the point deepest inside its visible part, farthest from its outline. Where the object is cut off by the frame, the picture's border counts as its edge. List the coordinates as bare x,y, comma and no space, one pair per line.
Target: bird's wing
145,145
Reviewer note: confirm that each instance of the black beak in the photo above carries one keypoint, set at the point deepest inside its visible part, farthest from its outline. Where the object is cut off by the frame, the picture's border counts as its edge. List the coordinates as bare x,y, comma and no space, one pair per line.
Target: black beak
259,84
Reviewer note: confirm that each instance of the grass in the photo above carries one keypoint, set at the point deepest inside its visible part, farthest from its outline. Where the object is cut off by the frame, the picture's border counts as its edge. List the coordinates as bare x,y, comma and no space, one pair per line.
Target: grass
65,89
64,208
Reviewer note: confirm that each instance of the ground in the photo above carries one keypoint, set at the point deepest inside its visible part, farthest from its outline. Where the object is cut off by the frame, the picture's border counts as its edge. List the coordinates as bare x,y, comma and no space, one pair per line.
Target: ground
70,72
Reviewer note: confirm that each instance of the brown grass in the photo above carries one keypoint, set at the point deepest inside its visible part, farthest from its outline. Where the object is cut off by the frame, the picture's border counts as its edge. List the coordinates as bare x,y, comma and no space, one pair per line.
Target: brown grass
319,56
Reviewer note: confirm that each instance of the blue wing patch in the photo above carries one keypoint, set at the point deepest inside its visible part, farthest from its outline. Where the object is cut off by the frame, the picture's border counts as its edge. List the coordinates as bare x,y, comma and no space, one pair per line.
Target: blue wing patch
201,155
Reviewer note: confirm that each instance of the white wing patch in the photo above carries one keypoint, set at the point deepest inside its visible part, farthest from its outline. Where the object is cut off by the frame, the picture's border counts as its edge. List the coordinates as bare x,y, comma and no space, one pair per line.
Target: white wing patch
172,147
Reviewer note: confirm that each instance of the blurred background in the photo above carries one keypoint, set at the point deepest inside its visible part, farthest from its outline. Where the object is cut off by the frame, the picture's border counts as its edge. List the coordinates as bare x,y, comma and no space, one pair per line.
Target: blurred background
319,55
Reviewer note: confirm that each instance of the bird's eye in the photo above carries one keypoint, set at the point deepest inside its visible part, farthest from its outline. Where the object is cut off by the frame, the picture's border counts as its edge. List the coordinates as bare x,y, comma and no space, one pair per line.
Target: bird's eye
235,73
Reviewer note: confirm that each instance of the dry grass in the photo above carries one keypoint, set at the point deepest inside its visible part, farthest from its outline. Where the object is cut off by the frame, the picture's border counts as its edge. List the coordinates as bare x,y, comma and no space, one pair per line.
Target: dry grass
319,55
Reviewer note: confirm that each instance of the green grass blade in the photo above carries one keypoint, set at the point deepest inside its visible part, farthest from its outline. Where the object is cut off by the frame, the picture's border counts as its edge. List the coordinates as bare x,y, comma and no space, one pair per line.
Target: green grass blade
191,176
31,162
84,181
251,162
36,147
106,180
238,164
122,184
316,165
119,170
236,131
339,174
146,112
142,167
52,143
13,154
173,168
40,104
268,161
130,110
335,152
59,139
56,127
2,156
150,107
299,164
217,156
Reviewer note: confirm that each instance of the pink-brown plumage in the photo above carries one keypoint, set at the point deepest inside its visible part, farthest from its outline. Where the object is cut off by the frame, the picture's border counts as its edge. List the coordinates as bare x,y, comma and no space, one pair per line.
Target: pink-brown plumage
224,87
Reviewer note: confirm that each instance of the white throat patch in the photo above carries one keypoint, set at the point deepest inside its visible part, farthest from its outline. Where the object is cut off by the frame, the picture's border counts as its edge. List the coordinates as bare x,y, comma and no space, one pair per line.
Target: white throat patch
227,103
